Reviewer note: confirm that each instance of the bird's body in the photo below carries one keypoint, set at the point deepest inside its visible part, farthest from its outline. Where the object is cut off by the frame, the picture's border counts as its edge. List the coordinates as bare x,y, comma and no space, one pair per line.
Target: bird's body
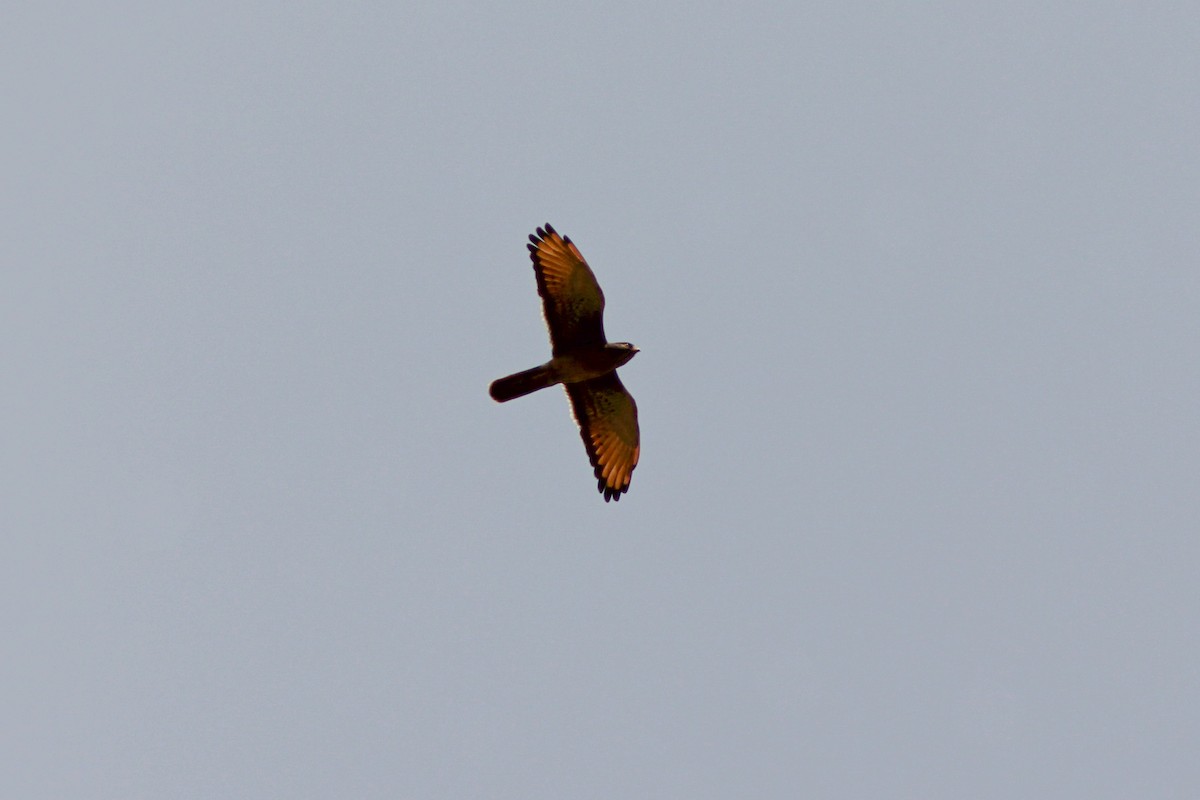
584,361
572,367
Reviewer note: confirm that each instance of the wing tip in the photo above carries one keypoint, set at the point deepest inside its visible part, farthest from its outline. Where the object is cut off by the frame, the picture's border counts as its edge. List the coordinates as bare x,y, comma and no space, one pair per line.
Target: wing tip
540,237
610,492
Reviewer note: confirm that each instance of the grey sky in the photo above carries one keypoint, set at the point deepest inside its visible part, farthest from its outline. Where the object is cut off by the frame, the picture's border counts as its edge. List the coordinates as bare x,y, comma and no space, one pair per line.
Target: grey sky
917,295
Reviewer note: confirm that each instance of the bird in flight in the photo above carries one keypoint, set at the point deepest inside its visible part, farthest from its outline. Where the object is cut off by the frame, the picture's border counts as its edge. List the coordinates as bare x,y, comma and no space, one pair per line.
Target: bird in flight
583,360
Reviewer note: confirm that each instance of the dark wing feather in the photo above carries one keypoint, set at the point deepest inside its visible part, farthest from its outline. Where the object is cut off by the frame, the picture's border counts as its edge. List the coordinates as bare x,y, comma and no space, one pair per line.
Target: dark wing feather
607,417
571,298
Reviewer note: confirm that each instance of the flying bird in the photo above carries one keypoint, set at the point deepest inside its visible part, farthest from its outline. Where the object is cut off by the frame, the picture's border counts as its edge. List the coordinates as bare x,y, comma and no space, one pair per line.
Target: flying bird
583,360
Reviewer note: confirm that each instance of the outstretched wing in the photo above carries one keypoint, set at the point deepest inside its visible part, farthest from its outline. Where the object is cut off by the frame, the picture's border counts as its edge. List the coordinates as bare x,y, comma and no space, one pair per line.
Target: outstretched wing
571,299
607,418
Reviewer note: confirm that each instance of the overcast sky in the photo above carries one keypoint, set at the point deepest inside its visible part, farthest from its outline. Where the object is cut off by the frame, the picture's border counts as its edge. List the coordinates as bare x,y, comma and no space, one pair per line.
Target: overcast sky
917,295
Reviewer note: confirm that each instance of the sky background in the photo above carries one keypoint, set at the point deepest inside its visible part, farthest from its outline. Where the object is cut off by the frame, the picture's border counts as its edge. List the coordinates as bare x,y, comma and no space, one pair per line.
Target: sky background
917,295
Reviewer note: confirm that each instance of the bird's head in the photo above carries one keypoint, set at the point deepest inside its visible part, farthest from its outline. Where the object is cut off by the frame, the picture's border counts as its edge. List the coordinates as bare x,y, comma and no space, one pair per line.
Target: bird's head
625,350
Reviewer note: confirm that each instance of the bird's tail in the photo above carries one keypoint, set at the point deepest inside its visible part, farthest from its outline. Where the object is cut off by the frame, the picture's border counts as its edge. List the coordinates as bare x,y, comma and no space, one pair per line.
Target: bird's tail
522,383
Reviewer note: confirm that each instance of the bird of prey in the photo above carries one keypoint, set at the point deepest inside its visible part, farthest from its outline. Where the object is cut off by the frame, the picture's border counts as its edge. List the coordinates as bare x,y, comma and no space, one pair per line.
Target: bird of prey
583,360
